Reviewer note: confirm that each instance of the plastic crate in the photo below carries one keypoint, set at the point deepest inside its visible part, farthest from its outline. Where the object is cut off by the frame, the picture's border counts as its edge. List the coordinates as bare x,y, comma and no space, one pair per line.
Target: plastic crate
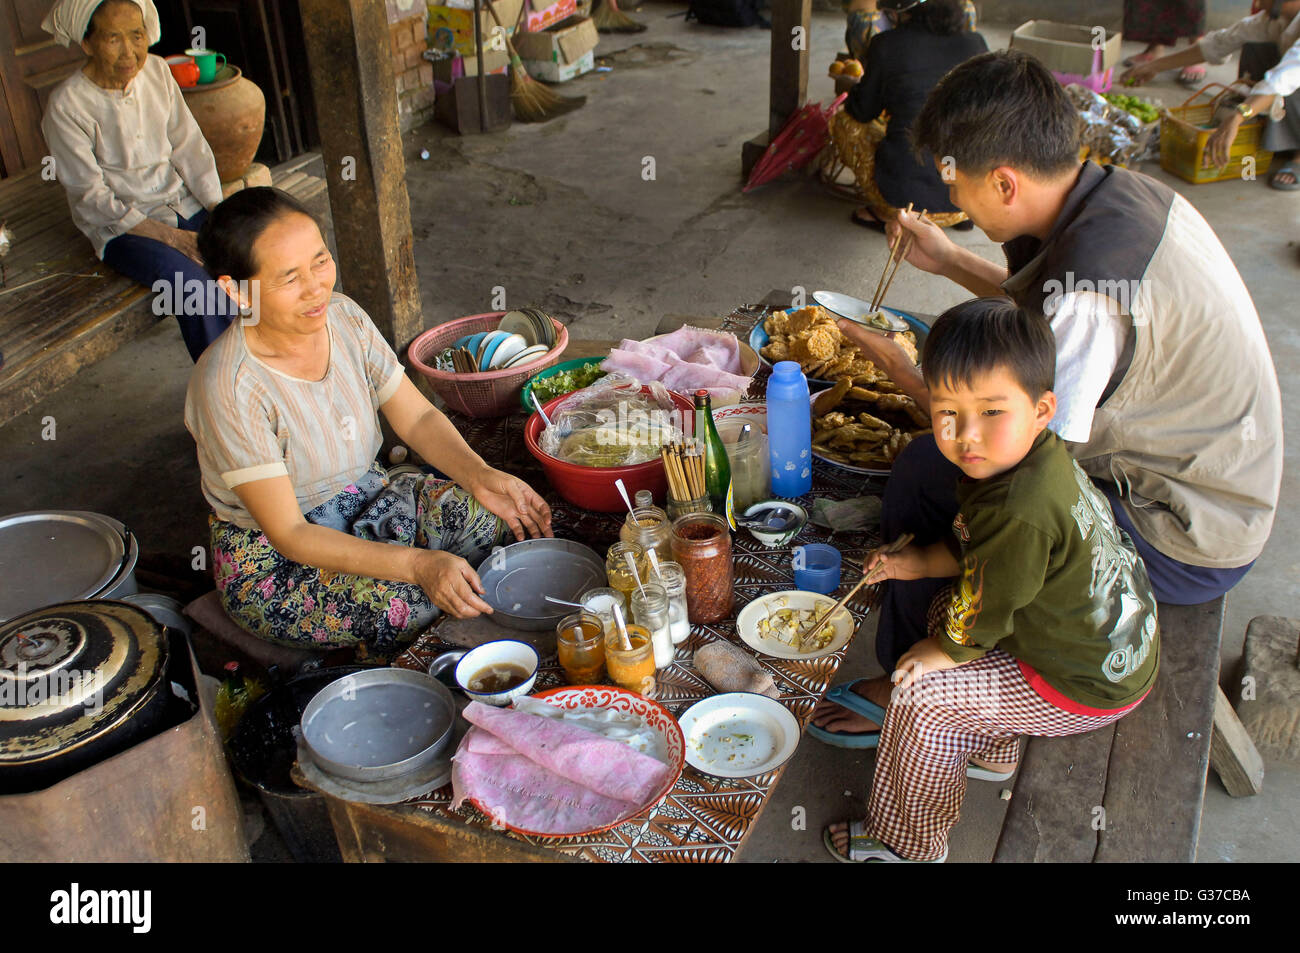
1185,129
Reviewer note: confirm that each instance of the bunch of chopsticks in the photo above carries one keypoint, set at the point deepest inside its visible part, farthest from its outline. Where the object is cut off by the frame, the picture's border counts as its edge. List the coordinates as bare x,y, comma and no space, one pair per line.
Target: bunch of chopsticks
462,361
684,465
902,246
889,550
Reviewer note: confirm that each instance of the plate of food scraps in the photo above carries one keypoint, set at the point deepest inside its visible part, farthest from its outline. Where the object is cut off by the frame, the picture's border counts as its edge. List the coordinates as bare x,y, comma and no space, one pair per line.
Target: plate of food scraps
772,624
864,429
738,735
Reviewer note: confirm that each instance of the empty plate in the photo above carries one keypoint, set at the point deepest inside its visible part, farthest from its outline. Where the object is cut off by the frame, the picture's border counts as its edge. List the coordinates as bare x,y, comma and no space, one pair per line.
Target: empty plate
516,322
526,355
738,735
518,578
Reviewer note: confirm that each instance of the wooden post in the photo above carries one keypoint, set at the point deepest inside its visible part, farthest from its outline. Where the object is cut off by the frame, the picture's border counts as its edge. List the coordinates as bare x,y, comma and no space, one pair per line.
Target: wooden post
788,73
1232,754
352,80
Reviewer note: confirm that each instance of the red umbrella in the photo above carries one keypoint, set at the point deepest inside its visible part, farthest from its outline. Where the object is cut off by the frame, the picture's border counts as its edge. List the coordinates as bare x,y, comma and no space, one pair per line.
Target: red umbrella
805,135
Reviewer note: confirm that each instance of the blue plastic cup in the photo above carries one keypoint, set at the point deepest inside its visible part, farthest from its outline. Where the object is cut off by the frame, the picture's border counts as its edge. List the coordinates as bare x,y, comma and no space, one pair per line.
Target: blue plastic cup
817,568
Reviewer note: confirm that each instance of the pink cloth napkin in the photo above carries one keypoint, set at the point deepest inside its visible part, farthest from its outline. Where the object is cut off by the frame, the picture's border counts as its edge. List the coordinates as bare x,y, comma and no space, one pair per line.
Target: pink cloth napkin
546,775
683,361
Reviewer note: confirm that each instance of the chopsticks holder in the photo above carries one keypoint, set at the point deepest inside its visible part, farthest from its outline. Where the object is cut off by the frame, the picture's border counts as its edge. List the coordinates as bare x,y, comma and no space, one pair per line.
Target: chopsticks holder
893,547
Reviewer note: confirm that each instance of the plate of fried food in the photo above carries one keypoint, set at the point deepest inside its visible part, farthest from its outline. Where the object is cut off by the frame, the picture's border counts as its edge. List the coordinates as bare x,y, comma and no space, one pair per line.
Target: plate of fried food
862,424
810,337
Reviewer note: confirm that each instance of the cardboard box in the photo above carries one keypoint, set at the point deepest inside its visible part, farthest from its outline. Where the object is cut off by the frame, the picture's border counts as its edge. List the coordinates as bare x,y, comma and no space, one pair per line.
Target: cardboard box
546,13
1067,48
563,45
453,29
446,69
553,72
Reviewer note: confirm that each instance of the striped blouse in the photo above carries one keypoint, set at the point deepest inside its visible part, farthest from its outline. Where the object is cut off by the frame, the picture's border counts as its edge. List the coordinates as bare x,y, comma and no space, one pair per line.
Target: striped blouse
252,422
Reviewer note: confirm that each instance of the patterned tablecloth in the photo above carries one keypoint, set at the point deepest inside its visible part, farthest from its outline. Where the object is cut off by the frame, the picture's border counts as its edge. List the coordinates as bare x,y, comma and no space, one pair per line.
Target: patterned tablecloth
703,819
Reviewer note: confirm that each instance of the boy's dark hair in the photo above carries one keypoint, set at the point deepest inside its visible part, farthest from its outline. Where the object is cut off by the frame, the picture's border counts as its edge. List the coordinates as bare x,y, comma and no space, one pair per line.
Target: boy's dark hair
941,17
981,335
90,24
1003,108
226,239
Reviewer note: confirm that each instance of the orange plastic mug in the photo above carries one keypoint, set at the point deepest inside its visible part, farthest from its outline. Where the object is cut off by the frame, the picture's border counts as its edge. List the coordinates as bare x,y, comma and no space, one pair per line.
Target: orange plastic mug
185,70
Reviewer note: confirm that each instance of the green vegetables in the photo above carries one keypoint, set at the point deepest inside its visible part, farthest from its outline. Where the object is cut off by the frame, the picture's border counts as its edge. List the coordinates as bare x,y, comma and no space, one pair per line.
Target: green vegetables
1144,110
567,381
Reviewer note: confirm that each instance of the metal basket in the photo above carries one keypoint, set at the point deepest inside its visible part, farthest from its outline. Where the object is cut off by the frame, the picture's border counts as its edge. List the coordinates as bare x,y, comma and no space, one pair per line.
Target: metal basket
487,393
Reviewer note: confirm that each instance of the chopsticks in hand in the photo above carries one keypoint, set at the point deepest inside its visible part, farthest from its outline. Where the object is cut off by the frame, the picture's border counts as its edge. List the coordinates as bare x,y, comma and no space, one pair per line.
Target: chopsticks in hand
892,548
903,246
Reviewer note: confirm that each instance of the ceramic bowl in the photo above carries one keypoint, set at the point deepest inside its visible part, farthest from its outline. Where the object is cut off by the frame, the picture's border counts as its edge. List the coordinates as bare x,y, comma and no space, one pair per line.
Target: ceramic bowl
505,652
768,537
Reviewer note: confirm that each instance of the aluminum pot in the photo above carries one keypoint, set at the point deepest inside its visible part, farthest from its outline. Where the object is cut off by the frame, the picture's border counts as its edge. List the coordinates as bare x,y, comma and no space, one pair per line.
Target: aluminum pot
379,724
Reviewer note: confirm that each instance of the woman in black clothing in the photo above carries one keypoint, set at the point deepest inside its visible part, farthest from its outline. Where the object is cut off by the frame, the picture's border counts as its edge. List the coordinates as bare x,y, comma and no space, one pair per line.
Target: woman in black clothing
902,66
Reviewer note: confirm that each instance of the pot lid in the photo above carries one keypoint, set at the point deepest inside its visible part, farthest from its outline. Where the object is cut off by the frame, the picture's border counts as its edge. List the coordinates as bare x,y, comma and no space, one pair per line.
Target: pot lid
56,556
72,672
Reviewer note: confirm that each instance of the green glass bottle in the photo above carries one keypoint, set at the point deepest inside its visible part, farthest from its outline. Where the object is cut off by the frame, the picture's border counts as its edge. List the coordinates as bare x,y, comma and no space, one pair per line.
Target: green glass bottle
717,467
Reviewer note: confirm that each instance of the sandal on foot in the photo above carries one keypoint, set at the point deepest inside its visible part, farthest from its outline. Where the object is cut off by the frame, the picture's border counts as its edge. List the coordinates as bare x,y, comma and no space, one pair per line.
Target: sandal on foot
872,223
844,696
1287,169
977,773
867,850
1192,77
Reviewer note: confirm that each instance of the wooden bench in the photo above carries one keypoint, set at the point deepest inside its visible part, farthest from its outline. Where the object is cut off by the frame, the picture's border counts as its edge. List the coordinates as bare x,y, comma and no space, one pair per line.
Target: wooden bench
1131,792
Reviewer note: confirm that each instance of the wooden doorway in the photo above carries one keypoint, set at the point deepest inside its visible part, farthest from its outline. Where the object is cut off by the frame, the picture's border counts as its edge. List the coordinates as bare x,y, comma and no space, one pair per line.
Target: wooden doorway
31,65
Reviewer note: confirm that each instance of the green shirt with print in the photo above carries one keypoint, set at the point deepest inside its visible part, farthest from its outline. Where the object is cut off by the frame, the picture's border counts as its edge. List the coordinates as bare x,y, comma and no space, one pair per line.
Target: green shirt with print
1049,578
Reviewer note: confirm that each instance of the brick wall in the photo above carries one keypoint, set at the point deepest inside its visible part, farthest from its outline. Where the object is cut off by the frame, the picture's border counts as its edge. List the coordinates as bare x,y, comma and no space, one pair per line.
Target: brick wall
408,38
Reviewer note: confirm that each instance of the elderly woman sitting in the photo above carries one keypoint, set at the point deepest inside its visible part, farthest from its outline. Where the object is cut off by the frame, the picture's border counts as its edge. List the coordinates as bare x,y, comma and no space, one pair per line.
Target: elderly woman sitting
313,543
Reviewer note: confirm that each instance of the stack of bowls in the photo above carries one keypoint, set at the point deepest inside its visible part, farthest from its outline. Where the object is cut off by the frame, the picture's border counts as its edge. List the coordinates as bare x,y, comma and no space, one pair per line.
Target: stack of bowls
522,336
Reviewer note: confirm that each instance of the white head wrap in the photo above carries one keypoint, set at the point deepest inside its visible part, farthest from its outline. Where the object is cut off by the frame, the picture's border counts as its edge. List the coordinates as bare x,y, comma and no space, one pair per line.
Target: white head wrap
68,19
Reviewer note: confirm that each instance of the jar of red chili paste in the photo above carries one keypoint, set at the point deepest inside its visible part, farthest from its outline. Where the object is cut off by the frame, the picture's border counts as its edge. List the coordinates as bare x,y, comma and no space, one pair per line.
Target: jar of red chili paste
702,547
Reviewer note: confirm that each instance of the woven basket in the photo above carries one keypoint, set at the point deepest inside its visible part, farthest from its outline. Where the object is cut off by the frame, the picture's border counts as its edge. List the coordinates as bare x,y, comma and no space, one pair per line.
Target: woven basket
488,393
1185,130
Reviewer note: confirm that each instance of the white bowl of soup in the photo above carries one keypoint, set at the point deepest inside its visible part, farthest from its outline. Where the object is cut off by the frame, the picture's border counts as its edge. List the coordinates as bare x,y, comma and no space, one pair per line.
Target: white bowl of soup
496,673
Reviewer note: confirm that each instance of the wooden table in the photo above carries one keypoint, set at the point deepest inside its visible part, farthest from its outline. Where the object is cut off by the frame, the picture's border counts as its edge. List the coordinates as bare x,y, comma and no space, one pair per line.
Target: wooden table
703,819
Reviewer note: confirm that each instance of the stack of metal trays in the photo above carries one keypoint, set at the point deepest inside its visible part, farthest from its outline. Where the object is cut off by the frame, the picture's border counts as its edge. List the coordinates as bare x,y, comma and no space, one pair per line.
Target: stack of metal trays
54,556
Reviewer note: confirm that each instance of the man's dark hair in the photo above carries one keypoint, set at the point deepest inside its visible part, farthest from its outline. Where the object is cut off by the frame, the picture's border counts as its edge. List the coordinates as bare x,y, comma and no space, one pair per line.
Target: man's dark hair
941,17
90,24
979,336
227,238
1003,108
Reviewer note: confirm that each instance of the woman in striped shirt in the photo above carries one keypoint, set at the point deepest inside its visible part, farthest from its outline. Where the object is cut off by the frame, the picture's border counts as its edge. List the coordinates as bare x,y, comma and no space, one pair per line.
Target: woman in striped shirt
284,410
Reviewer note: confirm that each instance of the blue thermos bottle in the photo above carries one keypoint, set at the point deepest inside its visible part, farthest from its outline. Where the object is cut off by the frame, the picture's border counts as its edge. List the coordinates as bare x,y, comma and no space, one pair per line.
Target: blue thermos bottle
789,430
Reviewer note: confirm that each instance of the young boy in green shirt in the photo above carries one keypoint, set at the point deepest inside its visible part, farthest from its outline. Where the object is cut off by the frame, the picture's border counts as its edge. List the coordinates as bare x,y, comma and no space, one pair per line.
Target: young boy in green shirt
1050,625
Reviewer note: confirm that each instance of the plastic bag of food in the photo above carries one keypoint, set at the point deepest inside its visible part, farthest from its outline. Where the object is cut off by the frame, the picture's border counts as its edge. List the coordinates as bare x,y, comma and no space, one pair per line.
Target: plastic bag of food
612,423
1086,101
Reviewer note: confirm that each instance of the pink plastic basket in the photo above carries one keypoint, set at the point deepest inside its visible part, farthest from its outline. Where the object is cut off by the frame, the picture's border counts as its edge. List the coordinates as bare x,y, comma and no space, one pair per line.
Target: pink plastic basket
488,393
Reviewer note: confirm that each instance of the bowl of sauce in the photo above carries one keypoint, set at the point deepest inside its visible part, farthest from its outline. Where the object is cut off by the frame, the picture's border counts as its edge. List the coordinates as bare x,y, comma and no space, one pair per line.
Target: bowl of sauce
496,673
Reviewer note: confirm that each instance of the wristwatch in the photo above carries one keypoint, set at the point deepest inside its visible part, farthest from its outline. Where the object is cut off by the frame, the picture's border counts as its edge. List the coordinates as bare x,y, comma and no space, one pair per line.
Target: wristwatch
1245,110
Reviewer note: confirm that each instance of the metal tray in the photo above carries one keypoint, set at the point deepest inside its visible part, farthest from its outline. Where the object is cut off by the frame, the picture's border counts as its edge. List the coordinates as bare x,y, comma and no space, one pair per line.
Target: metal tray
518,578
56,556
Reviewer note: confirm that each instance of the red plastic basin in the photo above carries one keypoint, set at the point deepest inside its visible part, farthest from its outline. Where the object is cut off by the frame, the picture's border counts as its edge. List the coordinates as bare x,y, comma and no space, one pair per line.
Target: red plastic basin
592,488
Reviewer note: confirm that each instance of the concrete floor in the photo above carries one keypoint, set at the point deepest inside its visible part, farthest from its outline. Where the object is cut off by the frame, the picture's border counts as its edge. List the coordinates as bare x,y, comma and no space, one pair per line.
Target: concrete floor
561,216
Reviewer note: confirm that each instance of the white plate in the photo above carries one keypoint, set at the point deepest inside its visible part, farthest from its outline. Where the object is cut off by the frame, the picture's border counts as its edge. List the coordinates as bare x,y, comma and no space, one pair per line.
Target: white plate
747,623
855,309
516,322
738,735
526,355
514,344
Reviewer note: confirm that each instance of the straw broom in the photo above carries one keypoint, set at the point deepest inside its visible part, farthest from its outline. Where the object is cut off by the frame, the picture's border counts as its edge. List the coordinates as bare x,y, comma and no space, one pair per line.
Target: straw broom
532,101
610,19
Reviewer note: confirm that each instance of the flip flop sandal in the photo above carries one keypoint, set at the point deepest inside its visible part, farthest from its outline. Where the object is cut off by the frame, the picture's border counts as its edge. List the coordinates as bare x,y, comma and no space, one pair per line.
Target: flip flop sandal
1285,186
976,773
875,224
844,696
1192,77
868,850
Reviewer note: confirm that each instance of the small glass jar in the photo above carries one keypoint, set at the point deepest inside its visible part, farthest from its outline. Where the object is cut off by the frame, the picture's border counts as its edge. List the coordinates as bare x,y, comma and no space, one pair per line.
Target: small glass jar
644,498
635,669
600,603
673,579
649,528
680,508
650,610
619,573
580,645
702,546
